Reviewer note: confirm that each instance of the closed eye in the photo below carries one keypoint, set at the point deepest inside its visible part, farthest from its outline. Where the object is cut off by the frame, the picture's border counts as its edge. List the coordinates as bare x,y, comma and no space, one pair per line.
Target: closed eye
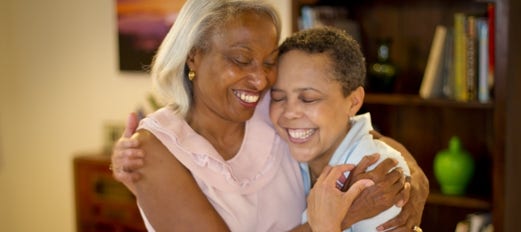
242,61
269,64
309,100
277,96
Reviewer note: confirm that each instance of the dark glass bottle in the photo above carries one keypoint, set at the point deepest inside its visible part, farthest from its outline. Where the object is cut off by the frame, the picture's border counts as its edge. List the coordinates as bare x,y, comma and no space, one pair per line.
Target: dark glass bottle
382,73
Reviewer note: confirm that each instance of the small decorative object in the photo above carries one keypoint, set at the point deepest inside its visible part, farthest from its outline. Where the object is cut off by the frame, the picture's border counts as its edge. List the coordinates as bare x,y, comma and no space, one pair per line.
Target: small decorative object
382,73
453,168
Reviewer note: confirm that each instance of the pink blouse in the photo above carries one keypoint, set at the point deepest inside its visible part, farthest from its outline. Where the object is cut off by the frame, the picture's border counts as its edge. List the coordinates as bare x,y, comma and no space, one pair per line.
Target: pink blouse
260,189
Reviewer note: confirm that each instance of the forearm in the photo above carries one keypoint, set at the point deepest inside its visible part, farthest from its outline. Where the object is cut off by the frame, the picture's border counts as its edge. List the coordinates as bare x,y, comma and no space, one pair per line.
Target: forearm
420,179
419,185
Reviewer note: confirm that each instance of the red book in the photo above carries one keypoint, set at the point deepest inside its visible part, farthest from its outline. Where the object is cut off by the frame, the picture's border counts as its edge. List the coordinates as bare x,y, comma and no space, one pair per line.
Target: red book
491,11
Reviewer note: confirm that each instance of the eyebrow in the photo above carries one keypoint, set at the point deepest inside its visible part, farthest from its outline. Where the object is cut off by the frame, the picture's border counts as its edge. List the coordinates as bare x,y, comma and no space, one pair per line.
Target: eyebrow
297,90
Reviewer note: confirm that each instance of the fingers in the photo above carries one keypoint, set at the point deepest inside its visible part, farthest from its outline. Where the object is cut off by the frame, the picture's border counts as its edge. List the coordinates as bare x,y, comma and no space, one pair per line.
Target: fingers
132,123
127,157
125,176
356,189
367,161
380,172
330,175
125,169
359,170
404,195
407,217
399,223
392,183
126,143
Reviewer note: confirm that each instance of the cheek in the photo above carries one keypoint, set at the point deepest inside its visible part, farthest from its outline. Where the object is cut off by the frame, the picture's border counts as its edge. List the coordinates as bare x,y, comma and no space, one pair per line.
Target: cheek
274,113
272,77
331,120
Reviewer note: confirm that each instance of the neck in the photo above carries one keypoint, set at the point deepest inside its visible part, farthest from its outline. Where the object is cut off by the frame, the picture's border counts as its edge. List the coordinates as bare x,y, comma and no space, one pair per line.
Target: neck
225,136
316,166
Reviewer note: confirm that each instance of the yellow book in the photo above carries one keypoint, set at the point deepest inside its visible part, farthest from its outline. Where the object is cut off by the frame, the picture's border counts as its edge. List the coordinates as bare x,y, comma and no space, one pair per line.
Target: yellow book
460,40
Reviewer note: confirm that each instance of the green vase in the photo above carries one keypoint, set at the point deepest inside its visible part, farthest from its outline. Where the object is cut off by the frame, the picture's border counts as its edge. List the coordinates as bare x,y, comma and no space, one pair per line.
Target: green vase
382,73
453,168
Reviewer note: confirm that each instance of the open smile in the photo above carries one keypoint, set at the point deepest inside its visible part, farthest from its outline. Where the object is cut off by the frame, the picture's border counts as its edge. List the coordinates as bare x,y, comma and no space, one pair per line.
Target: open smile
300,135
247,97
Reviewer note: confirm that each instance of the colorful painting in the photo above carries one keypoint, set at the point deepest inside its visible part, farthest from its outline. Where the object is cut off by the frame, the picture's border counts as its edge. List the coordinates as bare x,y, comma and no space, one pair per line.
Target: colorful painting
142,25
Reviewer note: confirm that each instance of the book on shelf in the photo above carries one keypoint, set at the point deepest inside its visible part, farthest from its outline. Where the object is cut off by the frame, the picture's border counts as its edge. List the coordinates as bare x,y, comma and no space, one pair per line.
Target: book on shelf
460,58
458,66
484,75
448,65
471,58
491,21
431,85
334,16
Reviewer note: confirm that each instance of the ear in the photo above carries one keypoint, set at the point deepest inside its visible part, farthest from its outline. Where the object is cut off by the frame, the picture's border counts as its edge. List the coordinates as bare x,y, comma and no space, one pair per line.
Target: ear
357,99
191,59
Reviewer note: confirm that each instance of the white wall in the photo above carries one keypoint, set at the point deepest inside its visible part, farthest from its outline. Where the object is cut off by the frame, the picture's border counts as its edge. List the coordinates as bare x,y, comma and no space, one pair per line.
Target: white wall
59,83
4,88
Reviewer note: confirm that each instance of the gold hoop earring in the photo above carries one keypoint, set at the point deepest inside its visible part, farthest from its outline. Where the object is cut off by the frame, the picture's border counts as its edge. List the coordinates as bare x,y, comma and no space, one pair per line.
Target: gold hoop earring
191,75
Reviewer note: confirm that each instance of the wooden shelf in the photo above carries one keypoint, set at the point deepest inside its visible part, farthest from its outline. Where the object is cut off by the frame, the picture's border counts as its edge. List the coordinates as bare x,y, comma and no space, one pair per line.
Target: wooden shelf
415,100
489,130
459,201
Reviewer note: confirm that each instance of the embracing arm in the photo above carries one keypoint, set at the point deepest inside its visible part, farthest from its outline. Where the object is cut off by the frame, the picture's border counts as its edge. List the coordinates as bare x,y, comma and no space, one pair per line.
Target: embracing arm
412,211
327,204
390,188
168,193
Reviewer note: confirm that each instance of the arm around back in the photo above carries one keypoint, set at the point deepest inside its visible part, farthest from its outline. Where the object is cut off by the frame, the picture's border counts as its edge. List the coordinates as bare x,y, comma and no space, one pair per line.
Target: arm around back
412,211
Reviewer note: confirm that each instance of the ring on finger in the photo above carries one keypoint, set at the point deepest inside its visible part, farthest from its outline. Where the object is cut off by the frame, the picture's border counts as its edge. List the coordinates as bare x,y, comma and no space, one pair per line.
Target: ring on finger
417,229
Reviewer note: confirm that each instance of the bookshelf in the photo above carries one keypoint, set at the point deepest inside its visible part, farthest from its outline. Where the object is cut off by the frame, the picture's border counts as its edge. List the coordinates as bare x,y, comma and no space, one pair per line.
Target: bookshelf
424,126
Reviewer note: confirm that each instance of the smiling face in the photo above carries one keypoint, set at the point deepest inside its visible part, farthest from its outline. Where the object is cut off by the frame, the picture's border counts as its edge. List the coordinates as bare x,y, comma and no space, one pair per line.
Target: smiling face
236,68
308,107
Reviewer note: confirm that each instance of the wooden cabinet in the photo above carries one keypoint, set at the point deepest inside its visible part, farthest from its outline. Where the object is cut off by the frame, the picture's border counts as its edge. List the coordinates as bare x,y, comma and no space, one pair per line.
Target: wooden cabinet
102,203
487,130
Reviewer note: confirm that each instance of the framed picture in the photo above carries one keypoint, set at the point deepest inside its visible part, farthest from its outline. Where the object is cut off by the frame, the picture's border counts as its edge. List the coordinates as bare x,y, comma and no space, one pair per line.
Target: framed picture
142,25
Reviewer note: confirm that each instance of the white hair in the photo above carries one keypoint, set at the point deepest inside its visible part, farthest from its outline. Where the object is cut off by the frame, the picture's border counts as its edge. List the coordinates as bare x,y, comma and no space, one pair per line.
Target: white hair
195,23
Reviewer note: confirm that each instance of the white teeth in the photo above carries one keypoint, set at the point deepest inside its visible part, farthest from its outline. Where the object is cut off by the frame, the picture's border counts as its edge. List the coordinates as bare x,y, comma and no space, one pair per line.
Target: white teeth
300,133
247,97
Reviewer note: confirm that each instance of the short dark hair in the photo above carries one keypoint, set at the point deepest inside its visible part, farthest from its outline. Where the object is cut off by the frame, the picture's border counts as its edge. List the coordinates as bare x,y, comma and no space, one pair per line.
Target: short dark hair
347,60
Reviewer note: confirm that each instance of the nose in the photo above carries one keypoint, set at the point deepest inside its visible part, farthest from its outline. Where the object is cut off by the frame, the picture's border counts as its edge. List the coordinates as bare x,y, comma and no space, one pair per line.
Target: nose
291,110
262,78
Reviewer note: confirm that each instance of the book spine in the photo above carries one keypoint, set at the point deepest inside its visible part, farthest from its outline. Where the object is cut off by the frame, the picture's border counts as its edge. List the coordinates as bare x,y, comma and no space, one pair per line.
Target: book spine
448,65
483,86
431,83
460,92
491,16
471,58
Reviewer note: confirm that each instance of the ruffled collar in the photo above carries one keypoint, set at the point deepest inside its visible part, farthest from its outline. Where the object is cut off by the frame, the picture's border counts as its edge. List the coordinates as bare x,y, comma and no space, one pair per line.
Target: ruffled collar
251,168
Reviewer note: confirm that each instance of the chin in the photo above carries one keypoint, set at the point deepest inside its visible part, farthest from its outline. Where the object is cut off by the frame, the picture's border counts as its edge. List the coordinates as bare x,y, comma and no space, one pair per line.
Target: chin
304,158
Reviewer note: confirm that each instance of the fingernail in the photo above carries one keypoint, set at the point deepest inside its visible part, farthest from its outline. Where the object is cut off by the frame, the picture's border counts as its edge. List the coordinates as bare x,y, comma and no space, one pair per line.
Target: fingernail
380,228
